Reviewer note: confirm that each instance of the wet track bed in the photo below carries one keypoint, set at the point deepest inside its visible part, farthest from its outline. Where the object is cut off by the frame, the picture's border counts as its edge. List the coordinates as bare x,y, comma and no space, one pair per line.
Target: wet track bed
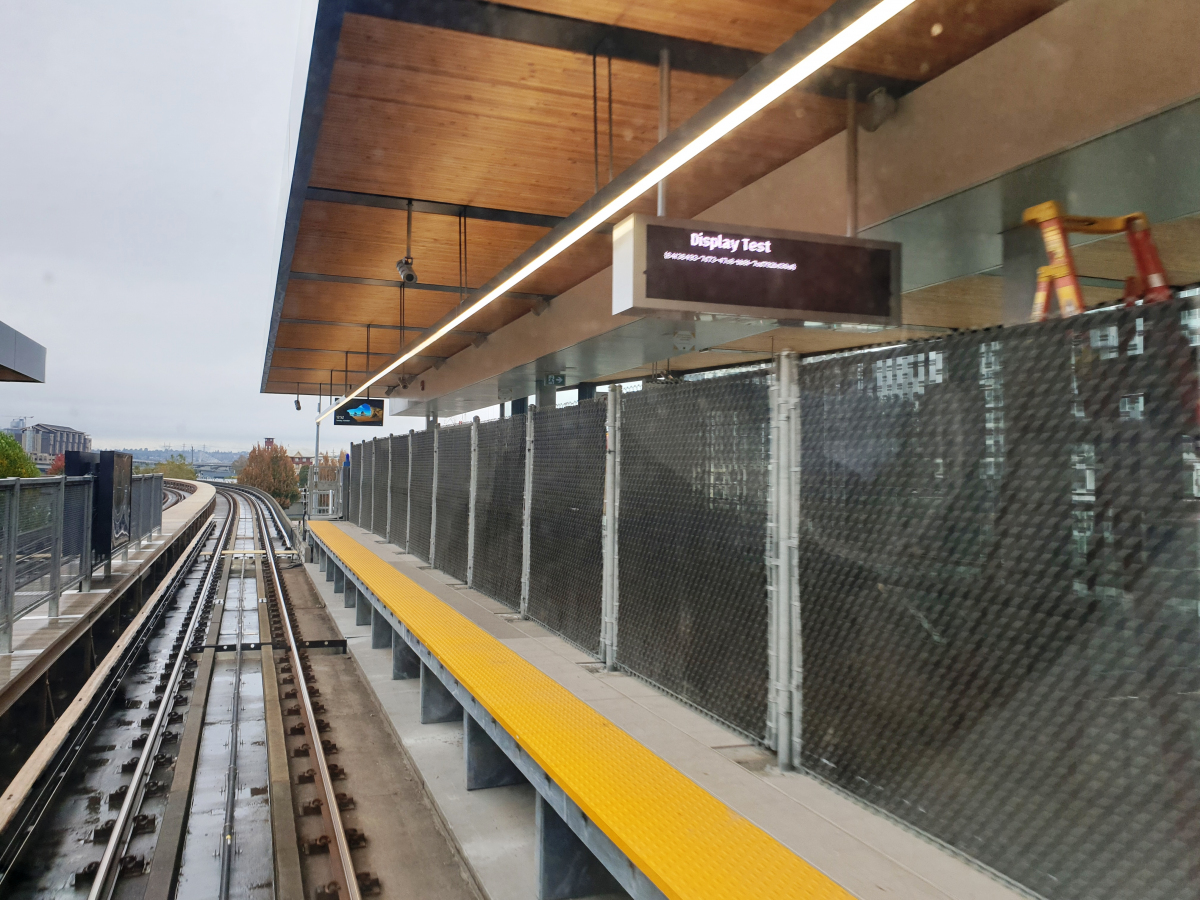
205,764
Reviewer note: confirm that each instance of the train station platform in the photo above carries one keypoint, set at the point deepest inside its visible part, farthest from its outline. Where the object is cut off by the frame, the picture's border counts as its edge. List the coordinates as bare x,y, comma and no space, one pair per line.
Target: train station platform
673,803
39,641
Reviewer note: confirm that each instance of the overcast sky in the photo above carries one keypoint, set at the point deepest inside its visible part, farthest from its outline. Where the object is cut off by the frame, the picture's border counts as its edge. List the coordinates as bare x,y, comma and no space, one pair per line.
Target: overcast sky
145,153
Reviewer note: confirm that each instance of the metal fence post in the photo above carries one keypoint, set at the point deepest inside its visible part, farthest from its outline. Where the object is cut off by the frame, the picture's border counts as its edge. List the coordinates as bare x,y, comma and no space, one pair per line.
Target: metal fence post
782,586
85,554
792,496
9,588
608,601
433,502
527,511
362,452
387,528
408,495
56,546
471,502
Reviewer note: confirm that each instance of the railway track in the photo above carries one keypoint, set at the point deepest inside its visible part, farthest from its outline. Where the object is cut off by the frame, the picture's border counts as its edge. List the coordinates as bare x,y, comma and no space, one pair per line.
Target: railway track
192,753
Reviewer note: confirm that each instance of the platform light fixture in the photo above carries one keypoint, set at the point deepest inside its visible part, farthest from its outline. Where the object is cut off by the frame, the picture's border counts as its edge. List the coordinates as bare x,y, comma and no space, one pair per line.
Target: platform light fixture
769,93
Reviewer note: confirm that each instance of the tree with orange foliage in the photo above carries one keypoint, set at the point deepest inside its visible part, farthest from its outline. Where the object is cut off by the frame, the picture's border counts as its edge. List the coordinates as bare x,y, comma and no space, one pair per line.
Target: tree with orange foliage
270,469
58,466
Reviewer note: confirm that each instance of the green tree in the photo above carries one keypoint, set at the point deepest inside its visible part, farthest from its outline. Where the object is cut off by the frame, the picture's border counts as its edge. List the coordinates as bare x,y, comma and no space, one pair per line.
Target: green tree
14,463
175,466
270,469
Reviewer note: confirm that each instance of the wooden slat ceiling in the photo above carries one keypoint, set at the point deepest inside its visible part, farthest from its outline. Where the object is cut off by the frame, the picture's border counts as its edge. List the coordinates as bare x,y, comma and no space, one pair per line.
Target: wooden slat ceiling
459,118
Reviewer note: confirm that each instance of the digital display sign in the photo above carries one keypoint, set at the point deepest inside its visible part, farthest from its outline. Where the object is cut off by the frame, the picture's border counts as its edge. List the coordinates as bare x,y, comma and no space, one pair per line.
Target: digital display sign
360,412
681,266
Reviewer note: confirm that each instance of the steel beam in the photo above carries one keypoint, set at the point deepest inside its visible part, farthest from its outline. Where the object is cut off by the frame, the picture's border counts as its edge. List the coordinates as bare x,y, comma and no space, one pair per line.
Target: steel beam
431,207
418,286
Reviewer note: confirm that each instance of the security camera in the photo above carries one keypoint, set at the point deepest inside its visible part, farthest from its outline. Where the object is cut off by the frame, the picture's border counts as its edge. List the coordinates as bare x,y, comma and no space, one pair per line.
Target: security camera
297,403
407,273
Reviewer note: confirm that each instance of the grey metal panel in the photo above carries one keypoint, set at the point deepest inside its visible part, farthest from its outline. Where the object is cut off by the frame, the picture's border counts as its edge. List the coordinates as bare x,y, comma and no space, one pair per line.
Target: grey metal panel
21,358
1148,166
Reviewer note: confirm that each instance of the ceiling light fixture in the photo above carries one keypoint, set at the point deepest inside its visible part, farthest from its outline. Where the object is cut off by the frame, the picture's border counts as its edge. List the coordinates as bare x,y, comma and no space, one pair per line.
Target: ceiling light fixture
769,93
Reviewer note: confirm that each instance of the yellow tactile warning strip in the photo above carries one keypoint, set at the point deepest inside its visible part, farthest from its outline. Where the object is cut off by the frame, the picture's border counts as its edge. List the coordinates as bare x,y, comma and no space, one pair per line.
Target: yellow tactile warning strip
685,840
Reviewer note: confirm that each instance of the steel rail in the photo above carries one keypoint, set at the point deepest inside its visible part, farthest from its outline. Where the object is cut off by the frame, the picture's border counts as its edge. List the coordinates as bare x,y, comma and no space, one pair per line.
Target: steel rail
105,880
68,756
234,723
344,866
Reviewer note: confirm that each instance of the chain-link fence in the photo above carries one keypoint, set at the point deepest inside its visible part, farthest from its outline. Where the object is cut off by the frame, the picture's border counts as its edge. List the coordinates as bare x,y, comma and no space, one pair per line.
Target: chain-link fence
499,495
973,563
453,498
382,458
420,491
999,596
351,488
398,493
565,558
692,541
366,500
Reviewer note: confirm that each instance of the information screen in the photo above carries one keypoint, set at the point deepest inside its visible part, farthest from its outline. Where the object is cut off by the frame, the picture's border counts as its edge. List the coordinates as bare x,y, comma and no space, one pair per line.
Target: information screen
360,412
742,268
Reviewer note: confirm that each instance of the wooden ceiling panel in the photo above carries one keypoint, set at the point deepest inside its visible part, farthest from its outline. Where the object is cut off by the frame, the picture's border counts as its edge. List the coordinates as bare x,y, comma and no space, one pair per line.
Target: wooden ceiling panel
333,302
366,242
760,25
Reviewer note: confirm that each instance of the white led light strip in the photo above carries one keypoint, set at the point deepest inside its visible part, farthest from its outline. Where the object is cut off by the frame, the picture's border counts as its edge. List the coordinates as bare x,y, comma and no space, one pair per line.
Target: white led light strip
823,55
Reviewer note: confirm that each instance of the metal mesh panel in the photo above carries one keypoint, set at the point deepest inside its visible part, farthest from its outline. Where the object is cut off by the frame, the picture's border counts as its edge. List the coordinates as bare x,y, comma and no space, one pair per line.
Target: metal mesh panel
499,497
35,545
692,543
565,563
453,497
399,490
74,531
352,486
135,507
366,500
421,499
999,596
380,487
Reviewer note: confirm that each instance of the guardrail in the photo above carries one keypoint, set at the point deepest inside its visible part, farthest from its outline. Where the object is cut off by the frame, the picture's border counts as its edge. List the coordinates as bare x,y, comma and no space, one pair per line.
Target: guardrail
46,540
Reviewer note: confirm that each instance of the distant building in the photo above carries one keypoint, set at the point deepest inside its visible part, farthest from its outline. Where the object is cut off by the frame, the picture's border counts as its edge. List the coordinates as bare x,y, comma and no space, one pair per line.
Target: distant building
51,440
298,461
268,442
15,429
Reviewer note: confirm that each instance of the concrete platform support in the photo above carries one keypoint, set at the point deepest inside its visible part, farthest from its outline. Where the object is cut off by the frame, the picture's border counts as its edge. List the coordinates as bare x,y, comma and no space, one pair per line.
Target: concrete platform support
565,867
437,703
329,569
322,559
339,579
487,765
351,596
363,613
405,663
381,631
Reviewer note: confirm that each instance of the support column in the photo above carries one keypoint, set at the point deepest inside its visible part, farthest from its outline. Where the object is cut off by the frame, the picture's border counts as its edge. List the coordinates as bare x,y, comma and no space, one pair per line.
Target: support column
363,612
85,558
339,580
405,663
56,547
330,565
381,630
487,765
408,494
350,599
547,396
520,406
433,504
322,557
471,502
612,474
437,703
566,868
784,656
851,160
526,514
664,115
8,578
